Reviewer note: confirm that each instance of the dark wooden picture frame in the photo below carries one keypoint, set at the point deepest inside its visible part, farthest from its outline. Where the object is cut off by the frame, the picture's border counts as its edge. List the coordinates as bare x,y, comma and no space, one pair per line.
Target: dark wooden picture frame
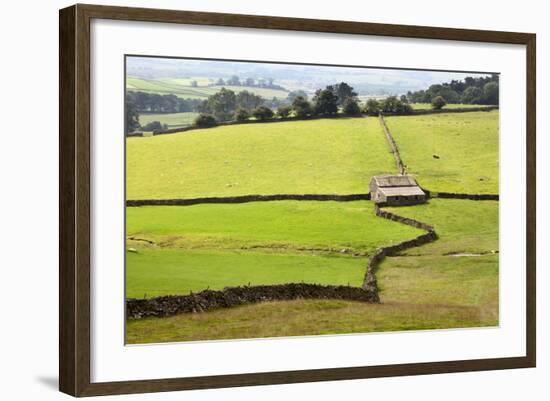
74,202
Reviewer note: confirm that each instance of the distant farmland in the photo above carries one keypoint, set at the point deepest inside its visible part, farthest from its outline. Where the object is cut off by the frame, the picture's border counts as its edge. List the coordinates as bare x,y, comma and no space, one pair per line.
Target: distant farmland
172,120
182,88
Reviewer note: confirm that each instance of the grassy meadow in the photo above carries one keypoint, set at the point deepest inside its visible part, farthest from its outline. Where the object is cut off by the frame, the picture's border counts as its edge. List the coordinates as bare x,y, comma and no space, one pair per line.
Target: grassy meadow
332,156
450,152
190,248
182,88
424,288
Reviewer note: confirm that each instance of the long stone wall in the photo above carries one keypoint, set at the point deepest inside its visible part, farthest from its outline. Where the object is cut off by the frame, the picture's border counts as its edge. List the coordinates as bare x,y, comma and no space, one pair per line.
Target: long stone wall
222,124
247,198
457,110
454,195
234,296
370,283
393,145
276,120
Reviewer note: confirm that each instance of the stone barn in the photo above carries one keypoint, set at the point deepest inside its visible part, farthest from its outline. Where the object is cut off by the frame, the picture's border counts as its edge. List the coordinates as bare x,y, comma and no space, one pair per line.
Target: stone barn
396,190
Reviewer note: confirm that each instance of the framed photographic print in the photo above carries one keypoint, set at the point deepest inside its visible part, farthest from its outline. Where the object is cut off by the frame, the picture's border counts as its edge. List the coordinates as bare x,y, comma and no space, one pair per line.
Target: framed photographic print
250,200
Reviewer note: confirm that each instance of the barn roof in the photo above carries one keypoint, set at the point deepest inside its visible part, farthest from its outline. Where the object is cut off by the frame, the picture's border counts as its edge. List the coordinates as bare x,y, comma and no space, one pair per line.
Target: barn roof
394,180
401,191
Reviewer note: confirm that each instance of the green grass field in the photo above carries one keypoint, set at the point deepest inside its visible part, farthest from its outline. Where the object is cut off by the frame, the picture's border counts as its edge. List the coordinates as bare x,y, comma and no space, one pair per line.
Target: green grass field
179,249
426,106
173,120
336,156
466,144
191,248
433,274
182,88
425,288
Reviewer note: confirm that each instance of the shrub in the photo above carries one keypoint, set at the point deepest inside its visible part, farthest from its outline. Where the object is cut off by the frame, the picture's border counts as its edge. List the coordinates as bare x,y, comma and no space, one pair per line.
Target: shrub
301,107
438,102
351,107
154,126
205,121
392,105
372,108
242,115
284,111
403,108
262,113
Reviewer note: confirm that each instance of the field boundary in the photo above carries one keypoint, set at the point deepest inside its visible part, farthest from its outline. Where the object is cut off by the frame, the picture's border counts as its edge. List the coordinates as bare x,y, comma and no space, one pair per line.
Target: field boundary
370,282
457,110
455,195
243,295
393,145
247,198
307,118
227,123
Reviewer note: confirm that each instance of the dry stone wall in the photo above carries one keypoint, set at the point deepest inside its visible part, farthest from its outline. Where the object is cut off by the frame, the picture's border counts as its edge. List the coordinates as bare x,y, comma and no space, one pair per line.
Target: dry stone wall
370,283
247,198
393,145
234,296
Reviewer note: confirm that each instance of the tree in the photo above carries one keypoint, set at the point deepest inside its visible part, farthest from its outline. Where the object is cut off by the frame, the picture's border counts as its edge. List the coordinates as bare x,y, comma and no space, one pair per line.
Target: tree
472,90
194,84
294,94
490,93
132,116
249,81
242,115
220,82
393,105
351,107
301,107
472,95
403,108
372,108
154,126
205,121
222,104
284,111
404,99
326,102
438,102
342,91
234,81
248,100
390,104
262,113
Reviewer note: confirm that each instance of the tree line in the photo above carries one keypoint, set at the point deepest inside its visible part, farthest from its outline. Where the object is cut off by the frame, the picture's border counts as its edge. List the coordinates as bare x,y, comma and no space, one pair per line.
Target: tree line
482,90
155,103
226,105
